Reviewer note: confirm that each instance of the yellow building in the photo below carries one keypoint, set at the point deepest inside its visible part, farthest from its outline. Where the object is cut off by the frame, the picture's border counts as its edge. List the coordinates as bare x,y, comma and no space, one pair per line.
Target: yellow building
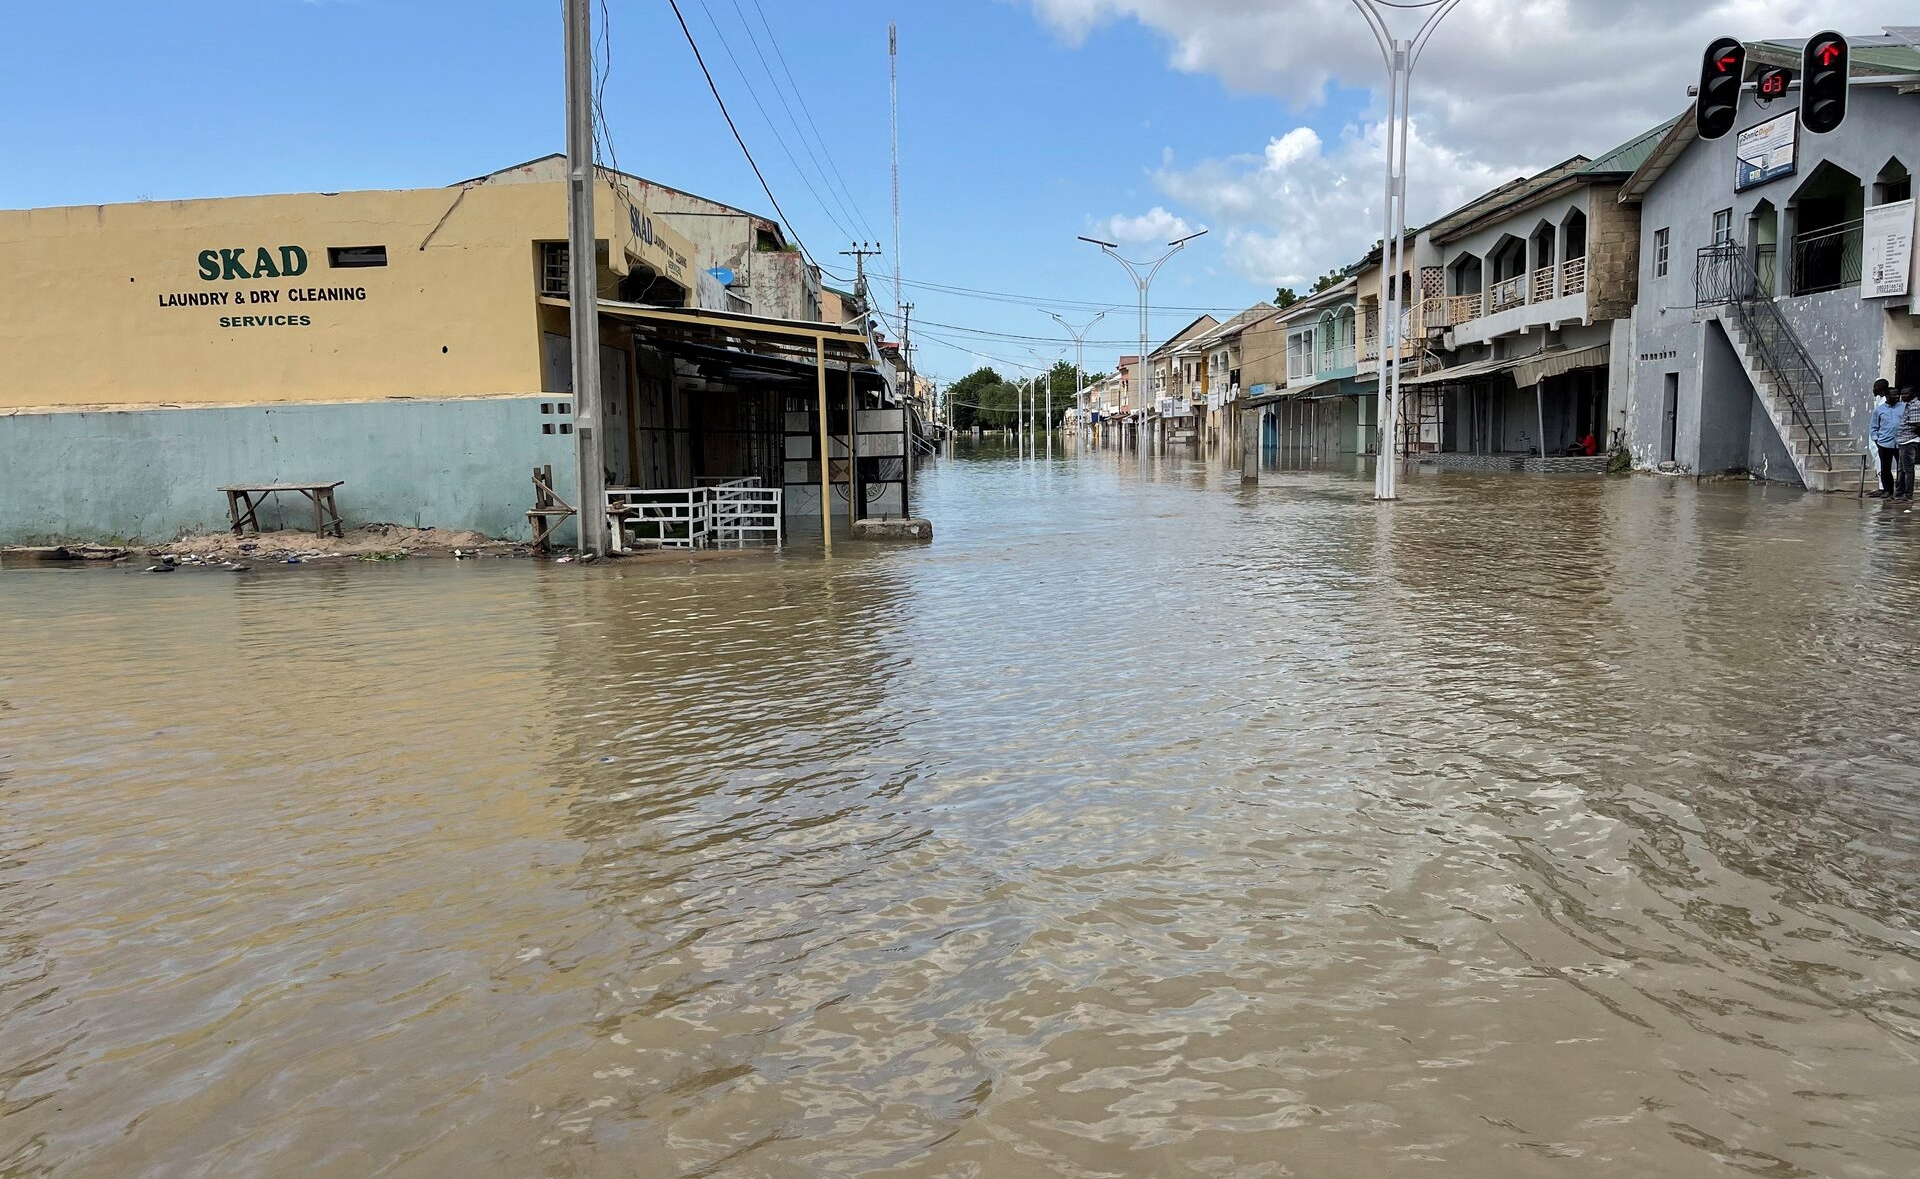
411,343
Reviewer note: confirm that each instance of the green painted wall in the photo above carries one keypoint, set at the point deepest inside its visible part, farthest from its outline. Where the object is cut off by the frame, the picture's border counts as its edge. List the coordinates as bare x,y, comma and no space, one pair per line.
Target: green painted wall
153,475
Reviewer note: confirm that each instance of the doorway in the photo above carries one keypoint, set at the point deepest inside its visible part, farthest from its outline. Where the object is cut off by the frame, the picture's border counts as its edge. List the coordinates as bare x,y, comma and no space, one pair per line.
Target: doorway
1670,418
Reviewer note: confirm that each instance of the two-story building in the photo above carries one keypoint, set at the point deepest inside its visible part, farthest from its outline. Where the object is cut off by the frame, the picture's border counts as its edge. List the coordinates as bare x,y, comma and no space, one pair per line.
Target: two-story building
1777,279
1535,287
1323,412
1217,396
1174,369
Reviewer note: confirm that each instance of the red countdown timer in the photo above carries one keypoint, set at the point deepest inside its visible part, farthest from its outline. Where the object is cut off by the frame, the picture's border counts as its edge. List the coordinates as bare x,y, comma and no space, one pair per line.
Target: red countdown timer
1773,83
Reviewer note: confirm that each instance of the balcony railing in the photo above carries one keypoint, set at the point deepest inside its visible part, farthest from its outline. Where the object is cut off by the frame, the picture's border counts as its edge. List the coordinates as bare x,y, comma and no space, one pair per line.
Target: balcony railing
1452,310
1543,280
1343,357
1827,260
1573,277
1370,347
1509,293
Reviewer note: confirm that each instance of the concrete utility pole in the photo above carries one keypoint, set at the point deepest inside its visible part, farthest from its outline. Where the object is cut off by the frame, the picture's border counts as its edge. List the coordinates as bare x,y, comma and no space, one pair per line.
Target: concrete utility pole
1401,57
1142,283
1079,338
583,282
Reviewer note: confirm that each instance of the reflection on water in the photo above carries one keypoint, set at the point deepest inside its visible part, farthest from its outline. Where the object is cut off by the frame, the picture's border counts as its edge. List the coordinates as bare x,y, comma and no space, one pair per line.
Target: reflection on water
1145,824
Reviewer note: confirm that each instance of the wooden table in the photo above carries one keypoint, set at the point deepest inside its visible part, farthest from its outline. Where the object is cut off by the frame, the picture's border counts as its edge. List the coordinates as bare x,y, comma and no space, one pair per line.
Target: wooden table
244,500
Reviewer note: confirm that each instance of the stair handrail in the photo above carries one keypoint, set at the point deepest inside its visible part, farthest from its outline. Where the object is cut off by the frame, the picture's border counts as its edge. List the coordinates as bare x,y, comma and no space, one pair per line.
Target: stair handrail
1738,287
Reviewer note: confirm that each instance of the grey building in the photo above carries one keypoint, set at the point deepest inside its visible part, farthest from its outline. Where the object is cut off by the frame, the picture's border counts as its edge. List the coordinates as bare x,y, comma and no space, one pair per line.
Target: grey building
1755,343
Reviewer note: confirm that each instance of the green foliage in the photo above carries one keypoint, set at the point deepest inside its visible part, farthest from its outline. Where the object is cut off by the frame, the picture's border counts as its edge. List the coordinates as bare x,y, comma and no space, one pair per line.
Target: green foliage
1285,297
986,399
1331,278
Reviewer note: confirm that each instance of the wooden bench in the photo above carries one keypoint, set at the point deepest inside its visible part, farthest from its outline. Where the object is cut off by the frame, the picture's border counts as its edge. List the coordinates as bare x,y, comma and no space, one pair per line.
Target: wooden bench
244,500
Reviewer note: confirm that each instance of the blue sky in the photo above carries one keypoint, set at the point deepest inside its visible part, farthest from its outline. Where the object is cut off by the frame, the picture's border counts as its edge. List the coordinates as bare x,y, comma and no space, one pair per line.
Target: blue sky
1023,124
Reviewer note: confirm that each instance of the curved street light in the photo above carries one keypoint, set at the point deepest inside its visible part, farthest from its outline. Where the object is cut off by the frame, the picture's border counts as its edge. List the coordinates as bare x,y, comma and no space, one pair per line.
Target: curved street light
1079,338
1401,57
1142,283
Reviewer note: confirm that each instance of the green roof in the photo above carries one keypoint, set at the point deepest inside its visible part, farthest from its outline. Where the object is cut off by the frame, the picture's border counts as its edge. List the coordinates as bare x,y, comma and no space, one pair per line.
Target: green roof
1882,55
1627,158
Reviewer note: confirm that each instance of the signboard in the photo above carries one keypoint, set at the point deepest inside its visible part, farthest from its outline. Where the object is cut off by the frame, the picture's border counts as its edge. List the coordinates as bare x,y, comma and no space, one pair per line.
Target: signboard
1768,151
1886,269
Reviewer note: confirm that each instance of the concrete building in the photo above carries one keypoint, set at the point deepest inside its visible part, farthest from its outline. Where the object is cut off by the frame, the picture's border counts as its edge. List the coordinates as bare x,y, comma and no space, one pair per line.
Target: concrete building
414,344
1322,412
769,273
1771,300
1218,401
1173,370
1527,296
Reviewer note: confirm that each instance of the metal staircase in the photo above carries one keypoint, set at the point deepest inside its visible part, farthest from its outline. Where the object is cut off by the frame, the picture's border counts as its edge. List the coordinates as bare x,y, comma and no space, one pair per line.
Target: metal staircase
1818,434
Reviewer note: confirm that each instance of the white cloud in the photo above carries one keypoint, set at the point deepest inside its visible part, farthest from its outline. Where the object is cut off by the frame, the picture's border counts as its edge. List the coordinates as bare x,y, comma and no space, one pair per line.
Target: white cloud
1532,79
1301,207
1156,224
1506,87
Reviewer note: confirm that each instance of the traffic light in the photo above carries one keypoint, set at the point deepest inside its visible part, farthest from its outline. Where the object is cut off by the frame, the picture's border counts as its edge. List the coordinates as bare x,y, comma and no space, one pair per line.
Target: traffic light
1825,66
1717,106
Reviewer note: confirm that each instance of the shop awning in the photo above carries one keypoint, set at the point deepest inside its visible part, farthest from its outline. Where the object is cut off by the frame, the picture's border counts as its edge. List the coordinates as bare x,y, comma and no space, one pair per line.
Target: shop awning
1464,372
1534,369
782,339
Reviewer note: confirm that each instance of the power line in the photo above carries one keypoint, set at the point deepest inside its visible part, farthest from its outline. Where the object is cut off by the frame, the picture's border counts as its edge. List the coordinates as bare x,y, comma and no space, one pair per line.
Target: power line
846,207
733,127
777,137
801,98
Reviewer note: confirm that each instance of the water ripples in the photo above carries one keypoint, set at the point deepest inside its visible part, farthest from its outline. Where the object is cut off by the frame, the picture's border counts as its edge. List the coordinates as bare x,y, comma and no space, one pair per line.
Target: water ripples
1145,824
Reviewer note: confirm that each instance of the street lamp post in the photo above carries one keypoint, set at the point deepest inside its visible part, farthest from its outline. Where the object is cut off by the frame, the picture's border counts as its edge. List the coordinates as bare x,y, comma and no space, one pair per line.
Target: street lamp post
1401,57
1046,374
1079,338
1142,283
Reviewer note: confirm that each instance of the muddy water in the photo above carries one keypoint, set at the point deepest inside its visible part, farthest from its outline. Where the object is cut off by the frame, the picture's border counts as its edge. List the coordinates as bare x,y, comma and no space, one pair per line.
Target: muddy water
1144,825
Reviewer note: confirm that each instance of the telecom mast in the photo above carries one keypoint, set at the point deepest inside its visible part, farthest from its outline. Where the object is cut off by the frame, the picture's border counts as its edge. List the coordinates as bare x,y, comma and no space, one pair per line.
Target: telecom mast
893,92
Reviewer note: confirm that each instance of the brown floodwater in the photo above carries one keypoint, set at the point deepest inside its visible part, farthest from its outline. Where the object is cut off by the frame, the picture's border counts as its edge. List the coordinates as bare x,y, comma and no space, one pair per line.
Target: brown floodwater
1144,824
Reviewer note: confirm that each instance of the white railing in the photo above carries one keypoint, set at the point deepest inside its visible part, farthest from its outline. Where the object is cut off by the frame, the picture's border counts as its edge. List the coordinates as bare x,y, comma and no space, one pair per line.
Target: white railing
744,510
676,518
1343,356
1543,283
1574,281
720,509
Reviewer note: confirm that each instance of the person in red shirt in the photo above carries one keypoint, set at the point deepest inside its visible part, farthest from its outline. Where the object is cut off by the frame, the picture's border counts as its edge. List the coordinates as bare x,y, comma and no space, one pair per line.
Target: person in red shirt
1590,444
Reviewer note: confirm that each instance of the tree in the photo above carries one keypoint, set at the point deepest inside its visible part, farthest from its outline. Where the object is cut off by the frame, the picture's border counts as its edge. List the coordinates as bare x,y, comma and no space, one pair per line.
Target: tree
1331,278
1285,297
969,394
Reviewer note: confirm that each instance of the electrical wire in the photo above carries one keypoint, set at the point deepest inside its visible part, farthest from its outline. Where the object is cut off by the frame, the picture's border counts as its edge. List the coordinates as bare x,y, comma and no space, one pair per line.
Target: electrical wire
847,205
734,127
762,107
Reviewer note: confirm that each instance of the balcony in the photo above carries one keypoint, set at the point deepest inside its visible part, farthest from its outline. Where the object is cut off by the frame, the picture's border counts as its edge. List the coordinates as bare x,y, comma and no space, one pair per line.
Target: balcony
1452,310
1508,294
1573,277
1828,259
1543,280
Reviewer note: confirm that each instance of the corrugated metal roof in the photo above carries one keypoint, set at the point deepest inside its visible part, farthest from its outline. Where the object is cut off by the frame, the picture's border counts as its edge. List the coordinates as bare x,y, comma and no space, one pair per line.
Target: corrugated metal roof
1627,158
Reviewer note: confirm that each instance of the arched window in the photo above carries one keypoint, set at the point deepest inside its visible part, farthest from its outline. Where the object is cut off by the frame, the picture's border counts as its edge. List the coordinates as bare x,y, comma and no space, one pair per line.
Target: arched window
1893,184
1828,213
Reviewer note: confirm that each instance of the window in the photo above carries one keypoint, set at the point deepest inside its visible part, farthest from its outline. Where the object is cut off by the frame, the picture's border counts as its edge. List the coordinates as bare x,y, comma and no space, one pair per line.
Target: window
553,269
1723,227
1662,252
349,257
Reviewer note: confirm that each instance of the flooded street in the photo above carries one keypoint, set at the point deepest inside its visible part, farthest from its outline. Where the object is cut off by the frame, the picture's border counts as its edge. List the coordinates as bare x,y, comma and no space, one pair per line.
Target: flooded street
1142,825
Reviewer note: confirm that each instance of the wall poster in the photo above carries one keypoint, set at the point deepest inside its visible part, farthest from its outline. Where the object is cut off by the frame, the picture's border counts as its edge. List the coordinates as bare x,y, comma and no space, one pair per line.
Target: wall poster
1886,269
1767,151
